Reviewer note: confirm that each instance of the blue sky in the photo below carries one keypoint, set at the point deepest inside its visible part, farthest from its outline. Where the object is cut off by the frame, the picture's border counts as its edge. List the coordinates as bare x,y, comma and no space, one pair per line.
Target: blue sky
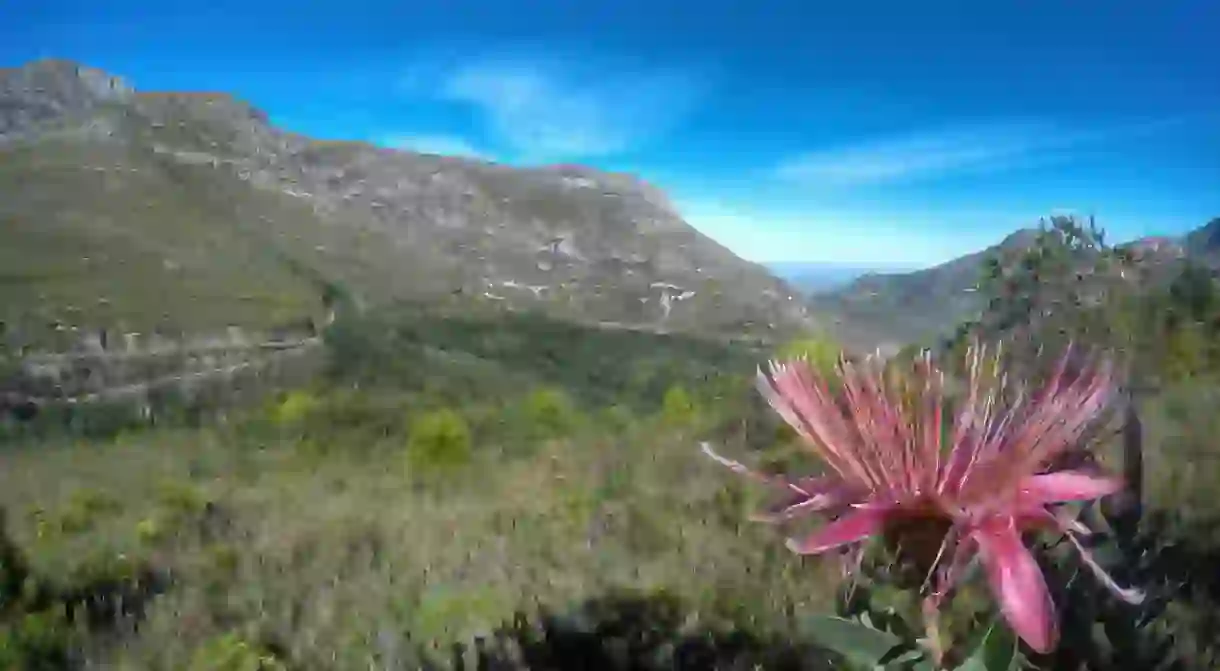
856,132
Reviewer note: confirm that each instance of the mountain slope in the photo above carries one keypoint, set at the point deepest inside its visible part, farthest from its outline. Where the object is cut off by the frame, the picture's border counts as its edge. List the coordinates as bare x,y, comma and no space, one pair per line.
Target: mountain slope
905,307
140,247
916,305
1204,242
182,211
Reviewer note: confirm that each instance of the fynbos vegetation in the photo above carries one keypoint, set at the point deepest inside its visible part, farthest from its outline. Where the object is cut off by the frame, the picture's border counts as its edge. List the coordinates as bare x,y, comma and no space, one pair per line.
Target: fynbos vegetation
467,436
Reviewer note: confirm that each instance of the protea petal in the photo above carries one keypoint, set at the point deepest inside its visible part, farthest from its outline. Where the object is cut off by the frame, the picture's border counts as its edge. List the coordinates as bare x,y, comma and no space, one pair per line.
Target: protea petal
822,497
803,495
853,527
803,400
1062,519
1017,583
1065,486
1070,527
778,482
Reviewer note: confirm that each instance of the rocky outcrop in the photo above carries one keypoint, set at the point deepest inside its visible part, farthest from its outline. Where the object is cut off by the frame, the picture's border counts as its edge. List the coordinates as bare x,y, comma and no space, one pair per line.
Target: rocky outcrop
46,91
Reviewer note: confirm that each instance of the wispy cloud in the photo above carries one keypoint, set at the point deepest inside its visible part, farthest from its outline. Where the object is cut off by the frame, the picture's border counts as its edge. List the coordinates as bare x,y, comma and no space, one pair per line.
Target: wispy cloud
547,109
949,151
921,155
444,145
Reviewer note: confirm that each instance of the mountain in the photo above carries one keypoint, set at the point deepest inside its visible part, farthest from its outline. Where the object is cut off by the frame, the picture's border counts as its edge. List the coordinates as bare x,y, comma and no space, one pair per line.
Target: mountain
814,277
183,212
905,307
915,305
1204,242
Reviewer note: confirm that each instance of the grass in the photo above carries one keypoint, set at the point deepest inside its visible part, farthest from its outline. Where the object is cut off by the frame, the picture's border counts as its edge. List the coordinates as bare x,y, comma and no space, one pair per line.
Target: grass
324,546
1183,466
448,473
340,559
133,247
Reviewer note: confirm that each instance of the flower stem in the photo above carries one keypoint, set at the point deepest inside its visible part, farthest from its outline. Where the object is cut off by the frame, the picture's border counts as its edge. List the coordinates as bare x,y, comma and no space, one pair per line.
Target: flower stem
932,641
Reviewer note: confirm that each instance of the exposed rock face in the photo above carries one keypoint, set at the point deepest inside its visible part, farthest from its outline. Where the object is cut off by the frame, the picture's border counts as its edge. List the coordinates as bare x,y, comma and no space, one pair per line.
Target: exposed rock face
1156,247
390,224
45,91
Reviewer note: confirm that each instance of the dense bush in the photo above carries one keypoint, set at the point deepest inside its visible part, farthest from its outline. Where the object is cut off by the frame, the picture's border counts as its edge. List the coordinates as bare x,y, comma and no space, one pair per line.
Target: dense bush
822,352
439,440
550,413
43,620
460,358
678,408
231,652
295,408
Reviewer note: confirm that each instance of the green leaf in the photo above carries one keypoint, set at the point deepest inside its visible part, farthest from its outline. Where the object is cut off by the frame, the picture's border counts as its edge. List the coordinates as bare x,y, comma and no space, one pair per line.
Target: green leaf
857,642
915,659
996,652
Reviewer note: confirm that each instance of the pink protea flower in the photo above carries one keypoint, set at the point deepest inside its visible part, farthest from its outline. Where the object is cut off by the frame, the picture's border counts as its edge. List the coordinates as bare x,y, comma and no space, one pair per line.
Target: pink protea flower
947,494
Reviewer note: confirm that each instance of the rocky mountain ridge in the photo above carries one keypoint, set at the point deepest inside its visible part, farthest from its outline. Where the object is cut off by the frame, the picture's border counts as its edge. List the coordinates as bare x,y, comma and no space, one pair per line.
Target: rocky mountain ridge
386,224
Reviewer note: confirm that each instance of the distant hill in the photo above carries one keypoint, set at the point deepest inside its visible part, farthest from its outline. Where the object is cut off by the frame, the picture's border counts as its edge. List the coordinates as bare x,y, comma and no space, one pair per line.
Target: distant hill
1204,242
915,306
813,277
181,212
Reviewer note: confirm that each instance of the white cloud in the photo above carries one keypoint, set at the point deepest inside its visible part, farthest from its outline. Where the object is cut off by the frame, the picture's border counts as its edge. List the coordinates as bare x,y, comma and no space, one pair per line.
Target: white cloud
978,147
548,110
444,145
924,154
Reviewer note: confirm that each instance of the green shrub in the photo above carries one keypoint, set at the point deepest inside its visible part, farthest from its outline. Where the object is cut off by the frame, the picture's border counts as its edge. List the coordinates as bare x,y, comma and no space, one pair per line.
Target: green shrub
1182,471
178,504
550,413
231,652
37,641
678,409
617,418
454,612
105,419
295,408
350,413
101,571
181,500
821,352
14,572
439,439
1185,353
150,530
222,560
82,511
319,422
